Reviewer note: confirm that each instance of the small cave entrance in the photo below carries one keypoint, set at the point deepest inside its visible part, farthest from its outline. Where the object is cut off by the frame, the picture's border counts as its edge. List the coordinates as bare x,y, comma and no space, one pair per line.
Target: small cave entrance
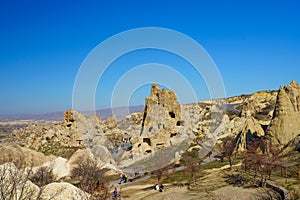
179,123
148,151
147,140
173,134
172,114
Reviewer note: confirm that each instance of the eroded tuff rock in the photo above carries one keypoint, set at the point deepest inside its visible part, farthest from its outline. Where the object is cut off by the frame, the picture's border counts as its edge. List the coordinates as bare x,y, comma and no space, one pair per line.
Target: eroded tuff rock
161,129
164,128
111,122
15,183
62,190
285,124
22,156
162,118
251,129
77,131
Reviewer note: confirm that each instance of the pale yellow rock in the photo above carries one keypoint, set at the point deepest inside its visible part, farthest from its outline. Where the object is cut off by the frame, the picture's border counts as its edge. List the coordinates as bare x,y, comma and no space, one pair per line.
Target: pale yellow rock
62,190
23,156
285,124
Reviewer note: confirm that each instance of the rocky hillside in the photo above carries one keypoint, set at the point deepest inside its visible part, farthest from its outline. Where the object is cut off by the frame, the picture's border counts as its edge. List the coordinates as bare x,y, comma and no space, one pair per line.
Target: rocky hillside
164,130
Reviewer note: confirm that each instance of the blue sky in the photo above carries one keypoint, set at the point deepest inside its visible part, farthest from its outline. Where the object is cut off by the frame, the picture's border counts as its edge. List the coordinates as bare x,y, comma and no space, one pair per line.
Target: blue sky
255,45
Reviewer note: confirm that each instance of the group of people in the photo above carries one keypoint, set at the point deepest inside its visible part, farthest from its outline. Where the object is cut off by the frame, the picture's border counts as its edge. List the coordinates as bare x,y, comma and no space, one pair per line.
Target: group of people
159,187
127,143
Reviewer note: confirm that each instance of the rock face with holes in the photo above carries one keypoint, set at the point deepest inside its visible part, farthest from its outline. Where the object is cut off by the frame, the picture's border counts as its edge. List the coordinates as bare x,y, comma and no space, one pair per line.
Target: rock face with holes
161,121
166,129
161,130
285,124
77,131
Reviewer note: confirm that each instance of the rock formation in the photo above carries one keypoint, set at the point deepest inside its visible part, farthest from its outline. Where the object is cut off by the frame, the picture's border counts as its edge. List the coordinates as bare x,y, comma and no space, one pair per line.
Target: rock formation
22,156
162,119
251,129
14,183
62,139
67,191
76,132
163,130
111,122
285,124
165,127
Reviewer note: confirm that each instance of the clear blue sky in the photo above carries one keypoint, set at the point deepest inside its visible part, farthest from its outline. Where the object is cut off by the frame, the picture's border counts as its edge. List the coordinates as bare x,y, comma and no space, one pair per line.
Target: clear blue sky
255,44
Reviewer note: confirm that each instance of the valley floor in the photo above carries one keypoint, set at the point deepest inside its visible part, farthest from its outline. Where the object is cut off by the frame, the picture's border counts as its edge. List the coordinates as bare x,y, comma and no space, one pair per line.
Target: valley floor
212,186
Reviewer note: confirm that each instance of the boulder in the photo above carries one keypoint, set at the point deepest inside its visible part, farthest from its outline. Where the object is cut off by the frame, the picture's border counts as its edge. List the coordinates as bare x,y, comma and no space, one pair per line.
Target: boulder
61,167
15,185
62,190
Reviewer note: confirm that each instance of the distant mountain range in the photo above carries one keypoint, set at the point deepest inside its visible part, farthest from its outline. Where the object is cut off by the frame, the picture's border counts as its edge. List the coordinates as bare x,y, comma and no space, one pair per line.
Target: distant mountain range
119,112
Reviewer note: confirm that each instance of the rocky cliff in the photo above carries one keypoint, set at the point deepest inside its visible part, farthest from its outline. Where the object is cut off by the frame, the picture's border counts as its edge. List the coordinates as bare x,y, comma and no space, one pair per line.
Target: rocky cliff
285,124
162,130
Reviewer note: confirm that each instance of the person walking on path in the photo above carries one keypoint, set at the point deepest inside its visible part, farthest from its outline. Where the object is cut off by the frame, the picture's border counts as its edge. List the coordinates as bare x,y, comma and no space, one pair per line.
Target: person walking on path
115,193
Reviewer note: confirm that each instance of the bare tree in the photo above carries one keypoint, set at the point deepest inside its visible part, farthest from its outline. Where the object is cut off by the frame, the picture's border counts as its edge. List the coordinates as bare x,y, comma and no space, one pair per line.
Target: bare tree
191,162
159,164
260,161
14,184
158,174
91,178
42,176
228,147
253,159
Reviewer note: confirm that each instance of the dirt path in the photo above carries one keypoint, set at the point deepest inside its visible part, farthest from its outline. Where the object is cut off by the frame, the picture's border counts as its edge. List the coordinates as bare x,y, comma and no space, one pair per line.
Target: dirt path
213,186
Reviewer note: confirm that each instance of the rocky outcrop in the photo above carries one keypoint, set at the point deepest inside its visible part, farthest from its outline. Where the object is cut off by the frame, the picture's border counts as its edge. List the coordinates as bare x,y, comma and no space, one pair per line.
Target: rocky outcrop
15,184
251,129
76,132
285,124
60,167
163,128
162,119
64,138
22,156
111,122
162,103
67,191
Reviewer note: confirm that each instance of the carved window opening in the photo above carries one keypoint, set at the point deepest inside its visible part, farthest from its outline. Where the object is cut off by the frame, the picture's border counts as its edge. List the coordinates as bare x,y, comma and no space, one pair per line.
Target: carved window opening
173,134
147,140
172,114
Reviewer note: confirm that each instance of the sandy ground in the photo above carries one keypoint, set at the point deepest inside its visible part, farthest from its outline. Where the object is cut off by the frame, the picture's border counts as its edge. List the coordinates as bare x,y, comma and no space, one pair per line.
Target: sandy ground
211,187
223,193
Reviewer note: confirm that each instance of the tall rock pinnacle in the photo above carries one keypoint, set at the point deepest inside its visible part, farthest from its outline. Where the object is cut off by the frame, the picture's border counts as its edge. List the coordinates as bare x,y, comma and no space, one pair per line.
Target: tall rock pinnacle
285,124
